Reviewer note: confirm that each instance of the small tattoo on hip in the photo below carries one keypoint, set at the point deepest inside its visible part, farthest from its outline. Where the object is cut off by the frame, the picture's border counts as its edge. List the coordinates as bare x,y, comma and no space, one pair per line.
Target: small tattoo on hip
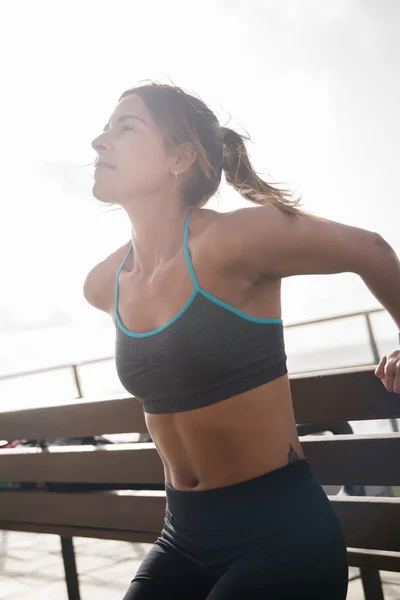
292,455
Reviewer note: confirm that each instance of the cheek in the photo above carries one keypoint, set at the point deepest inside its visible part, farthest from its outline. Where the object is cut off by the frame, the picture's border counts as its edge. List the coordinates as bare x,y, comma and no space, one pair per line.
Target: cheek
143,166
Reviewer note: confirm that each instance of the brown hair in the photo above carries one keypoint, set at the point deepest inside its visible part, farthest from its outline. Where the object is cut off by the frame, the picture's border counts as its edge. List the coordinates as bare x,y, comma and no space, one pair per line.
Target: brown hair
183,117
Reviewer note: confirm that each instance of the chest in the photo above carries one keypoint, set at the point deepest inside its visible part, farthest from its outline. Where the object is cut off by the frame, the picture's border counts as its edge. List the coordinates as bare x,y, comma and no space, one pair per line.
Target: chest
145,305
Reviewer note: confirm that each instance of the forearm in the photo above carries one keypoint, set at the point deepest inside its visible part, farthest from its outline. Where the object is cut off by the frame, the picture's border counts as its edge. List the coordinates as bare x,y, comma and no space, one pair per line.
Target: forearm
382,277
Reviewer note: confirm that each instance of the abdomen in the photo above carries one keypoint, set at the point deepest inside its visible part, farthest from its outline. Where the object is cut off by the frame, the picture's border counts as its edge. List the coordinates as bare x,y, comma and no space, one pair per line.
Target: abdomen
227,442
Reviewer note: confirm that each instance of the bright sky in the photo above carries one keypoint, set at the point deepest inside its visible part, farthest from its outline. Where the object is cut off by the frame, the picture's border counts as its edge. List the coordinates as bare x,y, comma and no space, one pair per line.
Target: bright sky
315,83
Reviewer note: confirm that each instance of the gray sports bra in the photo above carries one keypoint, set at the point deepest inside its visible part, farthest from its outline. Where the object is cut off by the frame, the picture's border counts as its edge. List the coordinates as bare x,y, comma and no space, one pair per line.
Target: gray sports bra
208,352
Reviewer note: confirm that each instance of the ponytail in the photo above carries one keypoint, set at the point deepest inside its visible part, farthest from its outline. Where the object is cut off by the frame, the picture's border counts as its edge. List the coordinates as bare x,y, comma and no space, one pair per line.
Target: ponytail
240,174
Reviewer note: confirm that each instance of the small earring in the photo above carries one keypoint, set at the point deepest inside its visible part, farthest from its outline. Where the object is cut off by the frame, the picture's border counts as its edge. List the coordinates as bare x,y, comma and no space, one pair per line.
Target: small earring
176,175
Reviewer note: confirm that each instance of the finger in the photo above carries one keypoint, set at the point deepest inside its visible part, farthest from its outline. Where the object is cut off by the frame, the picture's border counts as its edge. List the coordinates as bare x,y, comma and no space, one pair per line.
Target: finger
390,372
396,382
380,369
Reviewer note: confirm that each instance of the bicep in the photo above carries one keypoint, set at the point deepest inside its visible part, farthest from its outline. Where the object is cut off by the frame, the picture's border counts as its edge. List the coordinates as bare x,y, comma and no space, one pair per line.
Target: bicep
95,288
279,245
99,284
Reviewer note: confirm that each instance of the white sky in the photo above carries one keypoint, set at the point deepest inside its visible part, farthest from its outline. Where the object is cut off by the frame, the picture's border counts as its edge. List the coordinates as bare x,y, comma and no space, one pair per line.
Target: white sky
315,83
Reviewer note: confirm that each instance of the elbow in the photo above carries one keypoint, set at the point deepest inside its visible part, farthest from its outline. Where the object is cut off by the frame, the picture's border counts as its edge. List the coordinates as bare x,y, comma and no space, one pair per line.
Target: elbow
375,253
383,245
379,240
384,256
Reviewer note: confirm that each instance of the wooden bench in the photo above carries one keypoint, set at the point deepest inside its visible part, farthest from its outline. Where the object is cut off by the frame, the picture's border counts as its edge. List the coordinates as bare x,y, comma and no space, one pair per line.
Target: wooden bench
321,400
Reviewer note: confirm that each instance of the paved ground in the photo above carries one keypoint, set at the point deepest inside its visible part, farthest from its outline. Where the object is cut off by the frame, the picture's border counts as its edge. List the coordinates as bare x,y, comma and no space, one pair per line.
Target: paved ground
31,568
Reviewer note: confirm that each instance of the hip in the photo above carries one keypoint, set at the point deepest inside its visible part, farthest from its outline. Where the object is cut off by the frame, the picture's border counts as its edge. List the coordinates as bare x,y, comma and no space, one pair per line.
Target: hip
286,509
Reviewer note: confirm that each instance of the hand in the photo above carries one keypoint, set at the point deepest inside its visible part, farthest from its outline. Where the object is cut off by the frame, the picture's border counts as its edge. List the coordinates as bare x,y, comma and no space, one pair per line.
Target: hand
388,371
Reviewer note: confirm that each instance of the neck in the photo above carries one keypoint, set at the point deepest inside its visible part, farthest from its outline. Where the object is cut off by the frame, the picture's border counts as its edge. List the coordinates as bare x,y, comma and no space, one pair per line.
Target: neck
157,233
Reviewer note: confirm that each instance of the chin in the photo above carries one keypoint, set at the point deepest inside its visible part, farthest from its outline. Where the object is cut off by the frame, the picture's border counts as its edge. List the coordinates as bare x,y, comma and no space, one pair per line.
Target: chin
101,194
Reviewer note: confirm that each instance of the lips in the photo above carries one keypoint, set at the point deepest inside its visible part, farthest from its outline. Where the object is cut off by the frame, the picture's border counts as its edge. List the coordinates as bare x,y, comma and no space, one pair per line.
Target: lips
103,164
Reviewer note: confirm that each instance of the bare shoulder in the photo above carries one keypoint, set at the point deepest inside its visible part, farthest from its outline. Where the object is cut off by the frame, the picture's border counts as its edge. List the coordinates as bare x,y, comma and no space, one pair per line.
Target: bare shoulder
99,284
265,241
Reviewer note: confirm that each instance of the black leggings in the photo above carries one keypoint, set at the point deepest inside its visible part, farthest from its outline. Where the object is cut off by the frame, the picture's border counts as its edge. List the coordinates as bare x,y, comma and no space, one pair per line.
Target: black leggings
274,537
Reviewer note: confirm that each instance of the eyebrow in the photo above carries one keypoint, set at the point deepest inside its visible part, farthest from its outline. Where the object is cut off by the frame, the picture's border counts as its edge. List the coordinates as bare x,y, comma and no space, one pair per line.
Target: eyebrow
123,118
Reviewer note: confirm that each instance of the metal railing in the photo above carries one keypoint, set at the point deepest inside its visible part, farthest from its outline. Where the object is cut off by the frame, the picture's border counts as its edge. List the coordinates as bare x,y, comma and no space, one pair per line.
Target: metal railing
75,366
365,313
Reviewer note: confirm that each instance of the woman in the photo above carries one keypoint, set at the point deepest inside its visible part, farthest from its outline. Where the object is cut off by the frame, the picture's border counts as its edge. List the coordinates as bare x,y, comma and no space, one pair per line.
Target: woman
195,298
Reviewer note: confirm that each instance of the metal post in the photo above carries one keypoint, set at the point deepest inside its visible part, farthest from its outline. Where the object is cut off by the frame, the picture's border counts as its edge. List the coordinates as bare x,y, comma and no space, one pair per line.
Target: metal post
372,341
71,575
77,382
371,581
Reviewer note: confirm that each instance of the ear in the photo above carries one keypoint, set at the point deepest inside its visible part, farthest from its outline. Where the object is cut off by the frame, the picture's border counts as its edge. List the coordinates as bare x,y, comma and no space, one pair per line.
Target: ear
185,157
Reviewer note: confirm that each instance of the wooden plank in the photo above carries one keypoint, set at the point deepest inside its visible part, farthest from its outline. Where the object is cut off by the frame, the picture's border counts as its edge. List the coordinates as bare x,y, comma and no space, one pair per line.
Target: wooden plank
334,460
354,459
374,559
116,415
116,463
357,557
342,395
125,510
372,523
369,522
140,537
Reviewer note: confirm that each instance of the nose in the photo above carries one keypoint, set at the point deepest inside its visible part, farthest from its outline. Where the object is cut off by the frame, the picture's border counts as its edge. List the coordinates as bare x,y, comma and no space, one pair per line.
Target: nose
100,143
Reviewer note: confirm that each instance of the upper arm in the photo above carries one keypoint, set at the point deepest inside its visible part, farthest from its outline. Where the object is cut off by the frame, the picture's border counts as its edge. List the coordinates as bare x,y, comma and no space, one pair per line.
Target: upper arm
95,288
99,284
268,242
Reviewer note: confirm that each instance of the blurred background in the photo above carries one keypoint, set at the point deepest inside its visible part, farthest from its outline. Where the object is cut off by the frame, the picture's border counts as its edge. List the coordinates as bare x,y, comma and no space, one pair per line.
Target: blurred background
314,83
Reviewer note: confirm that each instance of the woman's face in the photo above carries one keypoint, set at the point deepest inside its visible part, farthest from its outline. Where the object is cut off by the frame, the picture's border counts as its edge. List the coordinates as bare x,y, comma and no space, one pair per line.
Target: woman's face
132,157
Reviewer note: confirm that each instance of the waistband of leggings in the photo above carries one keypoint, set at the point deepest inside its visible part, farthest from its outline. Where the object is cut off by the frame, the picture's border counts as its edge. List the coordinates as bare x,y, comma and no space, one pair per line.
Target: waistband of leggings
274,490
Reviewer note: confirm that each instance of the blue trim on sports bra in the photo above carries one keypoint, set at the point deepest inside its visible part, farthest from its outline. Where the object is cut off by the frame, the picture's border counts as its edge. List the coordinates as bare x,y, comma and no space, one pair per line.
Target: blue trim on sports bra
197,289
210,296
187,255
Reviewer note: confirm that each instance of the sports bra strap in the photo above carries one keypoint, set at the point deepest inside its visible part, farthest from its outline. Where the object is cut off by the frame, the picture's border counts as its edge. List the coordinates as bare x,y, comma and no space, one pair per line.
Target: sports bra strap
126,256
187,254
